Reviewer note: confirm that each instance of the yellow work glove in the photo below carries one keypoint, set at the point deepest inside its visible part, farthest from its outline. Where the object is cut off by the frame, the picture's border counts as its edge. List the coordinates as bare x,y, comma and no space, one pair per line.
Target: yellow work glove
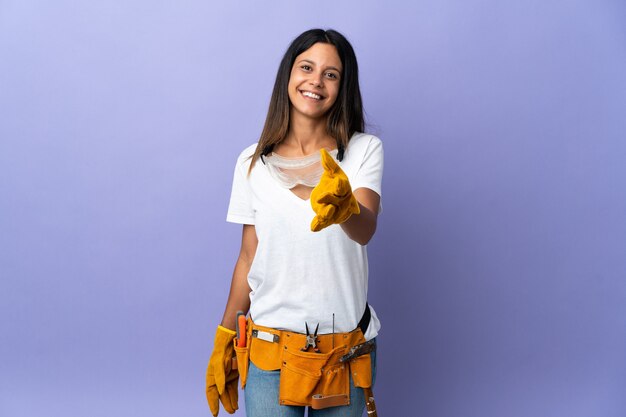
221,379
332,199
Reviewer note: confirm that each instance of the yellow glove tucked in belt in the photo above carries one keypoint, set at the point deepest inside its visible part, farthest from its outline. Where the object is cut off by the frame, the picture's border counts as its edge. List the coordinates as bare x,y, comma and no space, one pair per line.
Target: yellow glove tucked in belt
332,199
221,379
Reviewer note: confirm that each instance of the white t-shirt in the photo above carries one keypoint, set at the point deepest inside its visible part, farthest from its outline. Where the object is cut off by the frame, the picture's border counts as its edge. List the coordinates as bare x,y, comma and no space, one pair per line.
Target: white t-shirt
297,275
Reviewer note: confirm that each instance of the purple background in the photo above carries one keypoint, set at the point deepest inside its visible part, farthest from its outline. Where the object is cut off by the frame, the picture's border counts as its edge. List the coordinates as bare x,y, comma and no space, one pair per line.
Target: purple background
499,266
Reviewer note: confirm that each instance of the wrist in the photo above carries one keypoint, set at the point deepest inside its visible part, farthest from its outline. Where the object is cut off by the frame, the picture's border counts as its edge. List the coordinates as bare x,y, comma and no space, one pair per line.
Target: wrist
226,330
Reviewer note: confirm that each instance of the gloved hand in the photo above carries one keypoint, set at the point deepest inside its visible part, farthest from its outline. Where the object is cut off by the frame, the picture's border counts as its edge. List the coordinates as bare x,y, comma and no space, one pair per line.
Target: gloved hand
221,379
332,199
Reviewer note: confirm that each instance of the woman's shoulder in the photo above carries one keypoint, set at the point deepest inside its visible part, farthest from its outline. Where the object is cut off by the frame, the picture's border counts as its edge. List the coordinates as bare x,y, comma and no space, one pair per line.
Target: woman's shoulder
365,140
362,144
245,156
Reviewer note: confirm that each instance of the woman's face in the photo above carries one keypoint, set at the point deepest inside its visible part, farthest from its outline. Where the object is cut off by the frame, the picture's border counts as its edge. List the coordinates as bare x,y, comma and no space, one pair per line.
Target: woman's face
314,80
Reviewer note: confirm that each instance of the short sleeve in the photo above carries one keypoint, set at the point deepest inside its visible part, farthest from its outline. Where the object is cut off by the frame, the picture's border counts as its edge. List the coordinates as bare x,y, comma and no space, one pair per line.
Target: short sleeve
240,209
370,172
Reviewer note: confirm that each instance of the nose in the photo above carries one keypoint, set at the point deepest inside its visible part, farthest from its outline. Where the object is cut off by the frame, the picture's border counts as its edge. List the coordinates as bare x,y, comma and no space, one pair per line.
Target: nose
316,80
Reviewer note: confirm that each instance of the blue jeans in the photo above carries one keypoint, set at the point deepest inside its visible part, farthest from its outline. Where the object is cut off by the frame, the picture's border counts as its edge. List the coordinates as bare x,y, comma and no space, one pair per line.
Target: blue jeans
261,395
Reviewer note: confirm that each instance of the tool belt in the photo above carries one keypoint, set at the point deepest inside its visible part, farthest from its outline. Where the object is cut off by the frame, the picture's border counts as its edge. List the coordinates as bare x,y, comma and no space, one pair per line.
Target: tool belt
307,378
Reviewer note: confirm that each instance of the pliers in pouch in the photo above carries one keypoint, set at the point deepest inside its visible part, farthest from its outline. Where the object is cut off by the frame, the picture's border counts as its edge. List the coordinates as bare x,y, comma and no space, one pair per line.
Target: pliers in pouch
311,339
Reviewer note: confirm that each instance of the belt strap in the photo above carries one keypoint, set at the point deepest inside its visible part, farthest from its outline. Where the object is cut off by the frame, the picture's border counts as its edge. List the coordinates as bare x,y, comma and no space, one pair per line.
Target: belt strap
365,320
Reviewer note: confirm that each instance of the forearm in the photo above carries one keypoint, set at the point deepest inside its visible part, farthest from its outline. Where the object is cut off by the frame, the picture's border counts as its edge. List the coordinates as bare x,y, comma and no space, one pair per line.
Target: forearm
361,227
239,296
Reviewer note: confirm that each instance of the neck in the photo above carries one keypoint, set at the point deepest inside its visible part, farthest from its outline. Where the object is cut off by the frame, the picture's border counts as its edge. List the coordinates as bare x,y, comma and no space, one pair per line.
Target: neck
307,135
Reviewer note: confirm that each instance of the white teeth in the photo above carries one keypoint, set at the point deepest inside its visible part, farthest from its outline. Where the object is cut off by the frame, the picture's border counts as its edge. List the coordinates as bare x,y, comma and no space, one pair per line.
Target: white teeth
312,95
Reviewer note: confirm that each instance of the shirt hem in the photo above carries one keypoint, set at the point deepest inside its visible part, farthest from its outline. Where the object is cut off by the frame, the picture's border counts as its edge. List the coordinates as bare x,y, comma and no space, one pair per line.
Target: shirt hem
233,218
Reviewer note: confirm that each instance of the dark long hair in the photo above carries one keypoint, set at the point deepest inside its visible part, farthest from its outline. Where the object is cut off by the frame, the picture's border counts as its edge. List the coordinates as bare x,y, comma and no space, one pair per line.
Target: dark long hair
345,116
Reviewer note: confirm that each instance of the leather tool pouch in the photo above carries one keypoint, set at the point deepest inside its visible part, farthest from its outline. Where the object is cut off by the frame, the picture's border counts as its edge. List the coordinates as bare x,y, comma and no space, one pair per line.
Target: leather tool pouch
361,371
243,354
307,374
304,374
265,355
242,363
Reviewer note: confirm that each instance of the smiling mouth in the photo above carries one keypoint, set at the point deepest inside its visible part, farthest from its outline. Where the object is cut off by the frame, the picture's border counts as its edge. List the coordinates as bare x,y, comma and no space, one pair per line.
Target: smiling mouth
311,95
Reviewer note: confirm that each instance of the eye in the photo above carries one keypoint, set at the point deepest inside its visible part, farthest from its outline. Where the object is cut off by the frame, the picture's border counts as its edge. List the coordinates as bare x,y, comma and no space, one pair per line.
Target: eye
306,67
331,75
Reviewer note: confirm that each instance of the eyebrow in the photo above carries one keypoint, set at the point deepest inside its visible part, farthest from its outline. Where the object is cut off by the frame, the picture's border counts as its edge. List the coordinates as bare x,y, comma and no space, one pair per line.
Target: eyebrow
311,62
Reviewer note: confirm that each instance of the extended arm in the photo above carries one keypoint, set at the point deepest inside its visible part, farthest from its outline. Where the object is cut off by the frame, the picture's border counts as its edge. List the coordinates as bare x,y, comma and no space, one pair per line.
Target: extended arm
239,296
334,203
361,227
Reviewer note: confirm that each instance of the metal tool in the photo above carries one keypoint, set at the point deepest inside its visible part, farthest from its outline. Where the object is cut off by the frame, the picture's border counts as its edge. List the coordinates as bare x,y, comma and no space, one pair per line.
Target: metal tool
370,404
267,336
240,326
358,350
311,339
355,352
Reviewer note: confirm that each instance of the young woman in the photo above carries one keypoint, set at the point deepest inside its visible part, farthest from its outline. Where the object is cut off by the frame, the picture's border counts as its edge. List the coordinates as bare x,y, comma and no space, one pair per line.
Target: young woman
308,197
